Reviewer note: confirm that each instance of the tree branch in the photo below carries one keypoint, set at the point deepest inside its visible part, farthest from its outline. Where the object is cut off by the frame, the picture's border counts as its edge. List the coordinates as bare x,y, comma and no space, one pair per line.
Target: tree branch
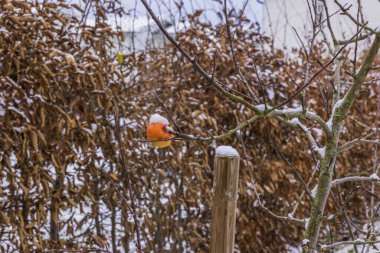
262,208
345,12
294,221
194,62
356,242
216,137
316,74
350,144
236,63
355,179
313,143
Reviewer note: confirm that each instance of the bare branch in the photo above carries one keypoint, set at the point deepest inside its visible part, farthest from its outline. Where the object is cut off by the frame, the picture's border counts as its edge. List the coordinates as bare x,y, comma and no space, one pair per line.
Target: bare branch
294,221
362,37
262,208
345,12
217,137
316,74
129,182
350,144
195,63
236,63
299,177
303,193
329,23
167,111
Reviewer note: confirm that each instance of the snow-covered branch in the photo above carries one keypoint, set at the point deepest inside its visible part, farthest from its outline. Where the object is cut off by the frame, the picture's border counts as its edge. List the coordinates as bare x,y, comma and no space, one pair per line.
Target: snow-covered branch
356,242
372,178
319,152
340,110
294,113
297,112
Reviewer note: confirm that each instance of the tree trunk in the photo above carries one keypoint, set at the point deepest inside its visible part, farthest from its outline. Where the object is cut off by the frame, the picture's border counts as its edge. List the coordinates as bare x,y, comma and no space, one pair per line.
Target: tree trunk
331,153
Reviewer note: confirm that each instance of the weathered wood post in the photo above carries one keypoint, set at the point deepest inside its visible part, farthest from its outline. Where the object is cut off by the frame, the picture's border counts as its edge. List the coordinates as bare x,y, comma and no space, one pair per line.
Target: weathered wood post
226,176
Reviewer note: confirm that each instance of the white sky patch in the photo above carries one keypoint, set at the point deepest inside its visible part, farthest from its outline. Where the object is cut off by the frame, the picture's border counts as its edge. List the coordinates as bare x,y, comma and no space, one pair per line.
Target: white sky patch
157,118
226,151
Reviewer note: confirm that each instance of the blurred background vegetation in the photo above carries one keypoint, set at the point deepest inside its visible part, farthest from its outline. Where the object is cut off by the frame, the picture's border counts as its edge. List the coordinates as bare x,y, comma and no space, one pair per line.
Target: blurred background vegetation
63,181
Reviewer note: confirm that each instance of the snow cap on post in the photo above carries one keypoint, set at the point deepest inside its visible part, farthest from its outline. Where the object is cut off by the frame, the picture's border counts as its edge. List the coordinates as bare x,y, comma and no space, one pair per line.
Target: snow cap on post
226,151
157,118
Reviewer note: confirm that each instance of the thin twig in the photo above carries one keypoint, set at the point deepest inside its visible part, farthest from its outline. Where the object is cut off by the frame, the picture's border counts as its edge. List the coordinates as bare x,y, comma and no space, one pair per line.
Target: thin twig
195,63
345,12
356,242
315,75
350,144
262,208
236,63
167,111
128,179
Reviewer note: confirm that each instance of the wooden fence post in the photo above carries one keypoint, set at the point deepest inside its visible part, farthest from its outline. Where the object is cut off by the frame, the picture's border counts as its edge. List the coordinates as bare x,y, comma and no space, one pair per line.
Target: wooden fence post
226,177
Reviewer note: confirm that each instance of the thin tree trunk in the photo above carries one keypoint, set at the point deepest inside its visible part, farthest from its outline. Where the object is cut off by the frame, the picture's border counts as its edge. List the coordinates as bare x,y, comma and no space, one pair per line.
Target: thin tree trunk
98,225
328,162
113,228
159,237
179,213
54,214
24,211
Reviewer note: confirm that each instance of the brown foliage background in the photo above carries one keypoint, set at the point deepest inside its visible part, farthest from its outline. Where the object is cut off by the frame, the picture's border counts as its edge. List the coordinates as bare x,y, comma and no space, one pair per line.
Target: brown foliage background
63,185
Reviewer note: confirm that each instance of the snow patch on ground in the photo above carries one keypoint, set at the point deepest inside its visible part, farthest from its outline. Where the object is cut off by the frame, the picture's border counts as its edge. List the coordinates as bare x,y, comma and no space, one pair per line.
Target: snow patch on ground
226,151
